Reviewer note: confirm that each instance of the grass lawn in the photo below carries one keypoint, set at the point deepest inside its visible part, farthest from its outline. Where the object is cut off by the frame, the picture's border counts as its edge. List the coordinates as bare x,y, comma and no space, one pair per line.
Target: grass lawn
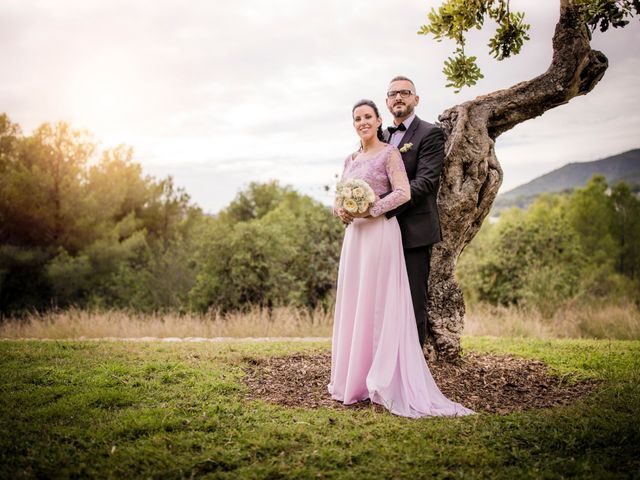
71,409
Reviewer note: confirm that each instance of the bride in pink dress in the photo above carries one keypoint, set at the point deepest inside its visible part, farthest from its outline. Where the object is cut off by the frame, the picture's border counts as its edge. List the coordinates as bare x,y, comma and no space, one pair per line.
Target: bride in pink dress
375,352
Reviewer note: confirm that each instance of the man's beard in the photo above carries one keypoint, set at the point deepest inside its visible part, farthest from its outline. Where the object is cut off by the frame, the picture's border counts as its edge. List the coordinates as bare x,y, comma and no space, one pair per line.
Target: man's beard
402,113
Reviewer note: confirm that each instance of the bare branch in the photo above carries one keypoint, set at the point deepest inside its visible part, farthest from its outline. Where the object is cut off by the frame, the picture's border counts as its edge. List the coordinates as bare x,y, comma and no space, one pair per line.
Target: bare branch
575,70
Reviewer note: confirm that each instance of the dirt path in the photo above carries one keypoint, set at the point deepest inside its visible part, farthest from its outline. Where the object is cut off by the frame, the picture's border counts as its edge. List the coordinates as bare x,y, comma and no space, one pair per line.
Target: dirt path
483,382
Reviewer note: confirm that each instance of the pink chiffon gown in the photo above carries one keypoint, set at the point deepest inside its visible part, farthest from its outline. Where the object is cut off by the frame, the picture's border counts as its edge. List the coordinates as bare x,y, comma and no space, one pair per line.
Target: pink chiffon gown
375,352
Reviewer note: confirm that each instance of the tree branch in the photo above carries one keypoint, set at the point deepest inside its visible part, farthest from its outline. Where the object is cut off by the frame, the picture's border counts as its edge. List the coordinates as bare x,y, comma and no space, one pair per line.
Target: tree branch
575,70
471,175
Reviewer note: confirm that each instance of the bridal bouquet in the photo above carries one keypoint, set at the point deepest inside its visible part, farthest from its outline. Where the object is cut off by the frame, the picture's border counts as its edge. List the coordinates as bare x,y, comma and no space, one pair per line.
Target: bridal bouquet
354,195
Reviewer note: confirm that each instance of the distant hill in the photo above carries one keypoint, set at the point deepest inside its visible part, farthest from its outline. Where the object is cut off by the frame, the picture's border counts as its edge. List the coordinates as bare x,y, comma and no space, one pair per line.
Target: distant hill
623,167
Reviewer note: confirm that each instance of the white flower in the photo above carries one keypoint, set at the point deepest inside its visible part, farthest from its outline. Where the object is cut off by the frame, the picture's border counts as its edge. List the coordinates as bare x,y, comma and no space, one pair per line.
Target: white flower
350,205
406,147
354,195
358,192
371,197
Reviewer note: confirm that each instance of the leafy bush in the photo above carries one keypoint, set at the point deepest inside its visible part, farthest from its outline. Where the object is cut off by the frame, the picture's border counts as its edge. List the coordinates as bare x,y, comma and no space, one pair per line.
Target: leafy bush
271,246
583,246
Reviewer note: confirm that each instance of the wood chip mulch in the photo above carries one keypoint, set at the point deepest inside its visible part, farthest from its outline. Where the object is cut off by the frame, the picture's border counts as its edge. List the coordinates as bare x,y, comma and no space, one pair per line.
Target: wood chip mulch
483,382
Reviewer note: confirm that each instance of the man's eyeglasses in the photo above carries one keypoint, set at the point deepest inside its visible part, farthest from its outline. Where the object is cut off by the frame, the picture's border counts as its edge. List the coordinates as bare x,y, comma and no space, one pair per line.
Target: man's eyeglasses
403,93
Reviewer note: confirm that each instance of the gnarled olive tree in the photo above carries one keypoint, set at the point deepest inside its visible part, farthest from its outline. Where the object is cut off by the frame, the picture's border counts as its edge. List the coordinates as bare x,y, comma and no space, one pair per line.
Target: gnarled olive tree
472,174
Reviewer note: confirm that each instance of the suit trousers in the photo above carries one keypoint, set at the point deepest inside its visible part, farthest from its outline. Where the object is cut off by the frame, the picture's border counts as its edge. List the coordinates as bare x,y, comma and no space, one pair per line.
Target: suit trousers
418,262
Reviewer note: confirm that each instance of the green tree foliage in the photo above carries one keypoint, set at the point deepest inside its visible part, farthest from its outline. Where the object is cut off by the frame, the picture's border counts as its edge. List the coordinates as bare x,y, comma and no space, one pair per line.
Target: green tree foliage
76,230
88,229
454,18
584,245
626,230
528,257
604,13
591,214
23,281
9,134
41,198
256,201
270,246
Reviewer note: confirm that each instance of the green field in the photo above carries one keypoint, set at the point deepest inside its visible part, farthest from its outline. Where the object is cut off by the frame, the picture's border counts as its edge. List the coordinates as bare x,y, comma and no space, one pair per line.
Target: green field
72,409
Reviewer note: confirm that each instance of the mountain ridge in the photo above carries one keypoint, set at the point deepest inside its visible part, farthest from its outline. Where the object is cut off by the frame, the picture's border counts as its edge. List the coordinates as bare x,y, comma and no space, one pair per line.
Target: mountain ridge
624,166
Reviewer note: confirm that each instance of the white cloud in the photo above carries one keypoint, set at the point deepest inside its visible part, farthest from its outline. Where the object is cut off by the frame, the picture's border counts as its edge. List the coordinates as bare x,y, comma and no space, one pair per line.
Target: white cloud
218,94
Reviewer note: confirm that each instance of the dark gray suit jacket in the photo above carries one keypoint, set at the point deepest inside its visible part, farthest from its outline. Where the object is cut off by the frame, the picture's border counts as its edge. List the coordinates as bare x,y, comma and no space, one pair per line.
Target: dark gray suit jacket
418,218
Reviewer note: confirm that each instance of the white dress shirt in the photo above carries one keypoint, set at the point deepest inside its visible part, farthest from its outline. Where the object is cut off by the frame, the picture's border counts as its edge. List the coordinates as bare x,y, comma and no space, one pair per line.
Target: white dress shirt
398,135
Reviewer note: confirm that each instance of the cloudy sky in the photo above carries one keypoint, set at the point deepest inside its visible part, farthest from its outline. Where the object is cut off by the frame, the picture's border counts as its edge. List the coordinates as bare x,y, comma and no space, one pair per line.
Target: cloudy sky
218,94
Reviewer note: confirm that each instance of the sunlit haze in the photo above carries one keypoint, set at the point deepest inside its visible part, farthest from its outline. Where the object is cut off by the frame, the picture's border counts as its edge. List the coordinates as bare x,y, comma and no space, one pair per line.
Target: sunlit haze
221,94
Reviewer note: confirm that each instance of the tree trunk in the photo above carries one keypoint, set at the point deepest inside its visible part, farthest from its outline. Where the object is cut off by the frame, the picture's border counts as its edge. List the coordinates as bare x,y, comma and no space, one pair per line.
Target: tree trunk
472,175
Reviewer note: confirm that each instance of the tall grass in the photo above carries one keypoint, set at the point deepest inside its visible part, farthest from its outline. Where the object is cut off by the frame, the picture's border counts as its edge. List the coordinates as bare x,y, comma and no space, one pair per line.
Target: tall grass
613,321
75,323
621,322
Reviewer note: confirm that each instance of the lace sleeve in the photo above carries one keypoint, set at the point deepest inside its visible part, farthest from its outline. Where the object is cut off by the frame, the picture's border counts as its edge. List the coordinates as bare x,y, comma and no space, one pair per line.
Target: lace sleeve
400,189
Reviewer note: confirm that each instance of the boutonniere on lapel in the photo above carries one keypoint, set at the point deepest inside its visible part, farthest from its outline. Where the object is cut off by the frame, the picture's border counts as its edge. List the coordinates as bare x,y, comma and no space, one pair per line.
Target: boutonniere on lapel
406,147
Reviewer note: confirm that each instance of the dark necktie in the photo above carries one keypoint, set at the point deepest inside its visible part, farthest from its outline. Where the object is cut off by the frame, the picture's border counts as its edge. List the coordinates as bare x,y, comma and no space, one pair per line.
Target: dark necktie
400,128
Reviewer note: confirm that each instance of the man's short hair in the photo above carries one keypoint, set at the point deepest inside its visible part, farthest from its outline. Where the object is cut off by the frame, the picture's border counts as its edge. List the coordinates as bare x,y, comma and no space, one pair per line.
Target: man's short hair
406,79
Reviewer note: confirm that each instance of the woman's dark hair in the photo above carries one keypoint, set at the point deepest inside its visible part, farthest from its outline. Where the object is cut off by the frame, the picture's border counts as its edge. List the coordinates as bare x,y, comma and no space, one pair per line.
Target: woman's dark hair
375,109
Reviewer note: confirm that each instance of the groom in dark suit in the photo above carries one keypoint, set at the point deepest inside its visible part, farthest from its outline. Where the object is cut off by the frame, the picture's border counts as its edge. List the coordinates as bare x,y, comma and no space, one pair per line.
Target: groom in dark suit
422,147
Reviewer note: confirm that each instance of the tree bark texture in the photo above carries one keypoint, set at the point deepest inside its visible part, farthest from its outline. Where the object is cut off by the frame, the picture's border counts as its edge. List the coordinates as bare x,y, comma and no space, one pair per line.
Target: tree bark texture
472,175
